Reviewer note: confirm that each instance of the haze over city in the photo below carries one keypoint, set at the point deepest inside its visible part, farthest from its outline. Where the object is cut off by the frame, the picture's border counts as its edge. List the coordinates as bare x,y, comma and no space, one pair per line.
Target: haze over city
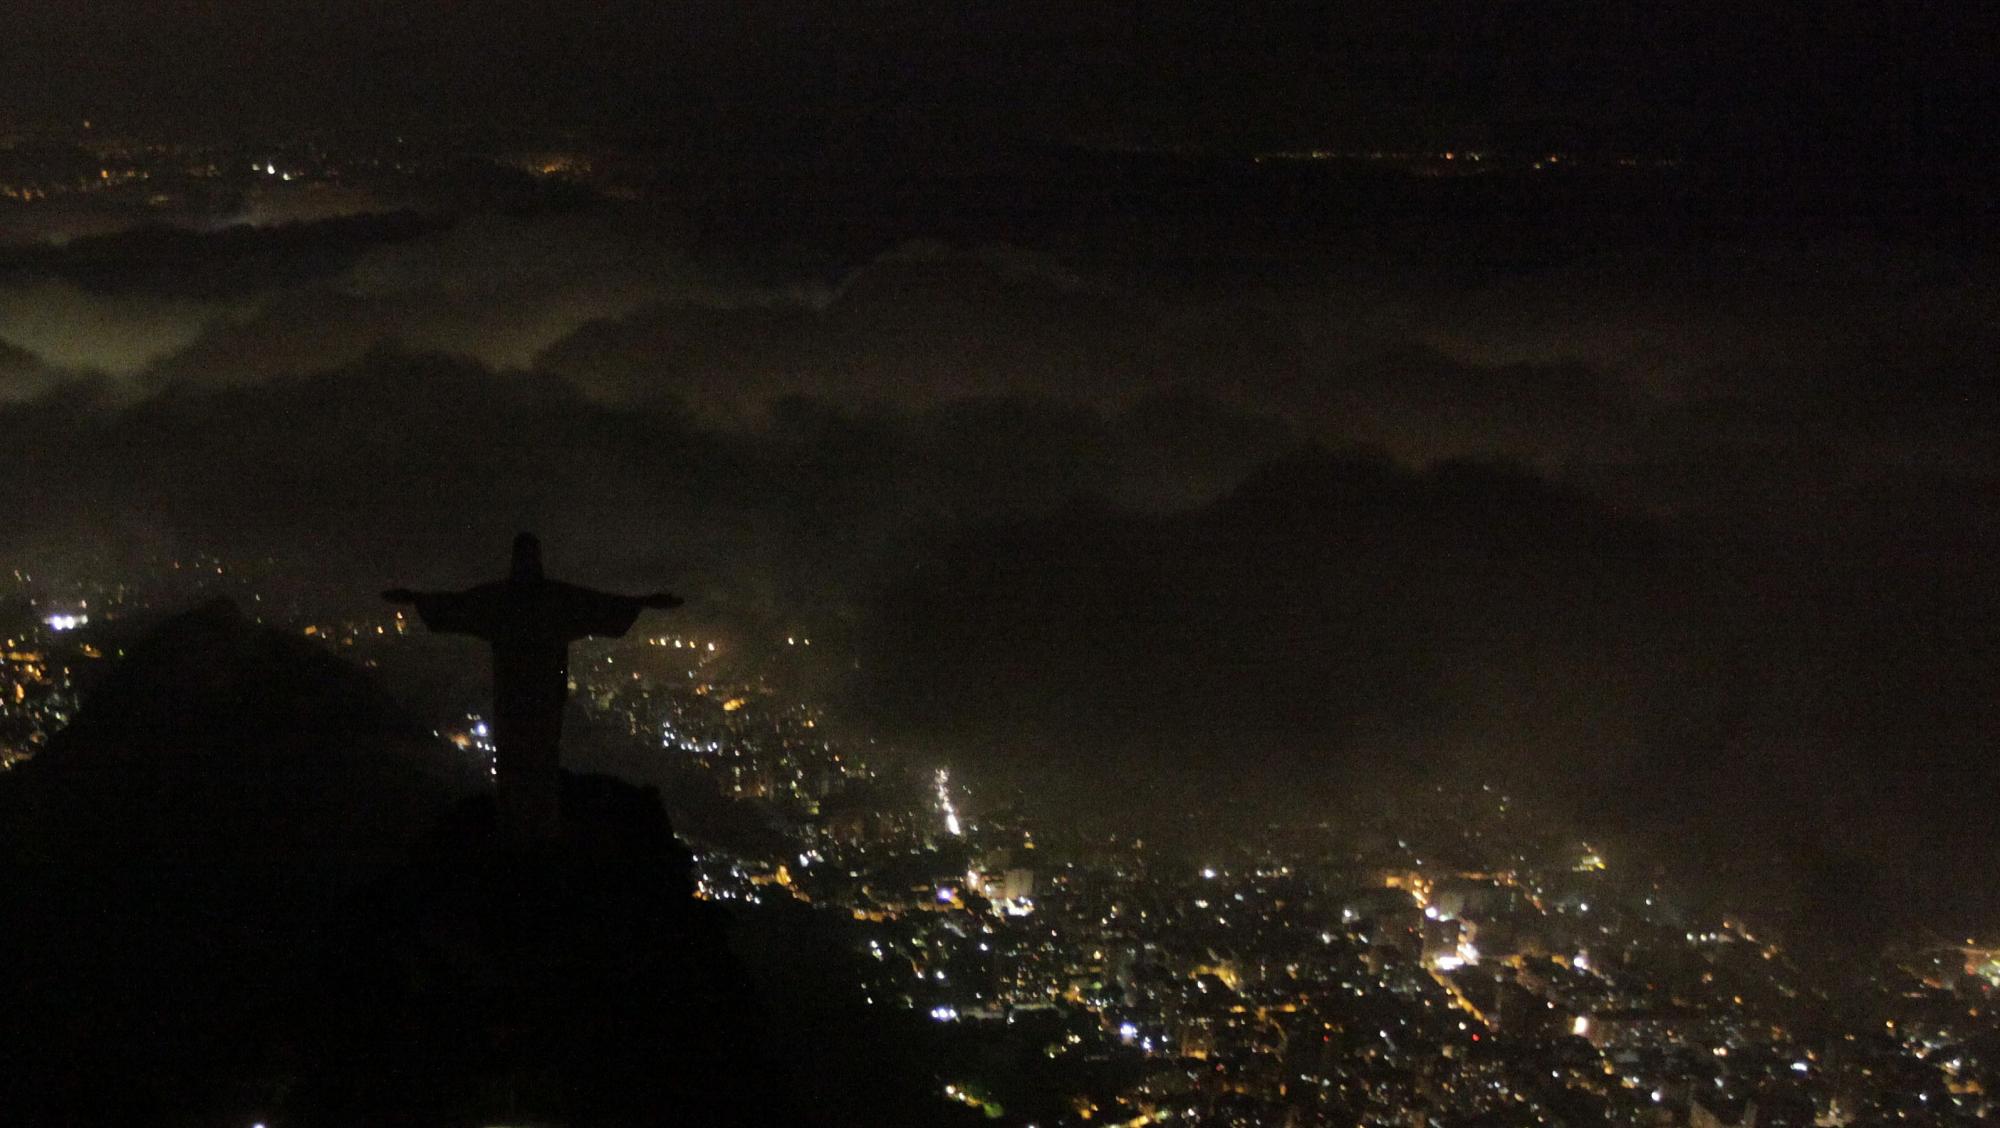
1522,464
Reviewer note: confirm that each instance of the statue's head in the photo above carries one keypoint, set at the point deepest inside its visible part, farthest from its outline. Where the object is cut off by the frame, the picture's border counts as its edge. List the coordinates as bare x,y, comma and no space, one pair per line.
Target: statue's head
527,557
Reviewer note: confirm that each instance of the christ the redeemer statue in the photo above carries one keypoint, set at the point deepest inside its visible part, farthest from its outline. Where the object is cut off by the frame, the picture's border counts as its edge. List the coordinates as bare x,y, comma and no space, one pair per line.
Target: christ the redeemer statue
529,621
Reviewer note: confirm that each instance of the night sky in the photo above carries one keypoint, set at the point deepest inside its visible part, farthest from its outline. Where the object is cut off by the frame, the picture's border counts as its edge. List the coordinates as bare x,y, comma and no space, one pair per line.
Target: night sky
1815,80
1671,499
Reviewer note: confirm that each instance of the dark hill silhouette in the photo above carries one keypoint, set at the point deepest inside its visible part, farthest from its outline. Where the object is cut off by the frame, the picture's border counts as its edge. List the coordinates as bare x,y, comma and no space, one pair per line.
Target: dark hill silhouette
572,982
216,740
243,887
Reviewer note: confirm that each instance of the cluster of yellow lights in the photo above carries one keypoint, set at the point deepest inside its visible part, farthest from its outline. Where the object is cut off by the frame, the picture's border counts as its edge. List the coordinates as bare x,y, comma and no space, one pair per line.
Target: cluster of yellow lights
680,643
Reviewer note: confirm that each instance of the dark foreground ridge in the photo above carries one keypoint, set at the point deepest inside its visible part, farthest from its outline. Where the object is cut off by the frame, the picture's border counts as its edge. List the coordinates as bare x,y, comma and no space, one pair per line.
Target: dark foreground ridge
242,889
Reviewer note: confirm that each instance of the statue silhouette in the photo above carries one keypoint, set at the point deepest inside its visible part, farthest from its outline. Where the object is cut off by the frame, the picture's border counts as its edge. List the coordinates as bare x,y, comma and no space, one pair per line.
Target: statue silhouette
530,621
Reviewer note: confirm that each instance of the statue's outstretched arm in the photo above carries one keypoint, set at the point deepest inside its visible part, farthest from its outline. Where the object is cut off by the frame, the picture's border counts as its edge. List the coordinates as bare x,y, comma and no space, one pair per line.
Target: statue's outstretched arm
473,612
587,613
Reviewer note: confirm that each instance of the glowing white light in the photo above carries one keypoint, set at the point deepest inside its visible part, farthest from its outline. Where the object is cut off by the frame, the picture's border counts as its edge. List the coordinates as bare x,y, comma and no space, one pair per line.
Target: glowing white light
1800,1067
480,730
951,824
66,622
1581,1027
1208,873
945,1013
1128,1031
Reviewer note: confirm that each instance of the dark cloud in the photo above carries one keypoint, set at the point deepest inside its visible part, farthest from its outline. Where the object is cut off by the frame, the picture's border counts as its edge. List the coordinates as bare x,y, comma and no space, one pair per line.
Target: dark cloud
1692,537
1339,628
23,375
918,324
443,457
213,261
